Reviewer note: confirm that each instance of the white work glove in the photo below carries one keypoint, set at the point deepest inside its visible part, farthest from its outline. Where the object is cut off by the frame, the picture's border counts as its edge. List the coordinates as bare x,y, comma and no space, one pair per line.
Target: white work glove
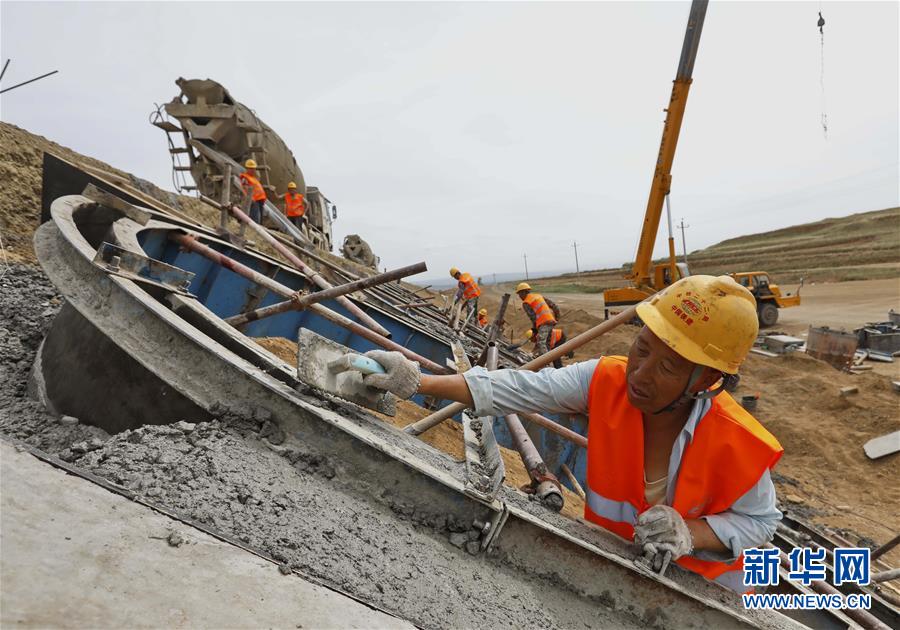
663,536
401,376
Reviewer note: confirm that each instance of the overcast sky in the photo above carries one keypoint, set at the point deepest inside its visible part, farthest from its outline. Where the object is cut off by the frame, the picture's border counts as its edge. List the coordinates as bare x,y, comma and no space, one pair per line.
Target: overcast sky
468,134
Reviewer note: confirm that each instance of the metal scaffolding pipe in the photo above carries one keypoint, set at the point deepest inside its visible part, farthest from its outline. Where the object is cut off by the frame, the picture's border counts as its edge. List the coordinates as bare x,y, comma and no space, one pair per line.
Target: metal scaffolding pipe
326,294
545,359
545,484
308,271
558,429
192,244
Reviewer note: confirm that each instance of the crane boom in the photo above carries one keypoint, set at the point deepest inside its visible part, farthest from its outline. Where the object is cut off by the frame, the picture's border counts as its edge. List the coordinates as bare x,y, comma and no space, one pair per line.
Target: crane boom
662,176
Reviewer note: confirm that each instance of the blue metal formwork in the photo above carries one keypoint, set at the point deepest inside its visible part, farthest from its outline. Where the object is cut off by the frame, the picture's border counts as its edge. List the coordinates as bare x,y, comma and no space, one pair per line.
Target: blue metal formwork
226,294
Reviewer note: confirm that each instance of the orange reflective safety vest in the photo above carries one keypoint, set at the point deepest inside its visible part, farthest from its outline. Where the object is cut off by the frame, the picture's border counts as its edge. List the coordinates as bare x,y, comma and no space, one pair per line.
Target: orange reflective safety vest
556,336
252,184
470,289
542,313
482,321
728,454
293,205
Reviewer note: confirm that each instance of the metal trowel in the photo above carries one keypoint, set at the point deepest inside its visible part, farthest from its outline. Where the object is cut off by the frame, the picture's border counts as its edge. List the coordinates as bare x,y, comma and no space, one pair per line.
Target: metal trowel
336,369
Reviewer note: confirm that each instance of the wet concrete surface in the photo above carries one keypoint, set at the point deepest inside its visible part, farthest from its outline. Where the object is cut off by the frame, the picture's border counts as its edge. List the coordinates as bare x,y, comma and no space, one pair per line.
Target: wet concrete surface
73,552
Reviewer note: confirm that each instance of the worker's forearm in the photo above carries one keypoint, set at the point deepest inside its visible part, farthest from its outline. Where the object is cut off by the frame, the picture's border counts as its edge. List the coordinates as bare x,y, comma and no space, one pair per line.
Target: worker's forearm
705,538
446,387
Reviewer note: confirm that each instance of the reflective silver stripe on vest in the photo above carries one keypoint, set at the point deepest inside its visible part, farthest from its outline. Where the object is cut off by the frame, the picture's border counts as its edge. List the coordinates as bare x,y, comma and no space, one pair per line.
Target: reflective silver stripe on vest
619,511
733,580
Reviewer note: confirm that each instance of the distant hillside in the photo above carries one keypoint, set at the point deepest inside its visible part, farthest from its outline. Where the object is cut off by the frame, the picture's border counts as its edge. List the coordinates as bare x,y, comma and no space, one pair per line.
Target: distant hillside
860,246
857,247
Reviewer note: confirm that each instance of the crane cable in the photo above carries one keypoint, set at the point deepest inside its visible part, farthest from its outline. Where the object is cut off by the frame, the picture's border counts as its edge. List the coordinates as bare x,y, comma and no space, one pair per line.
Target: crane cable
821,25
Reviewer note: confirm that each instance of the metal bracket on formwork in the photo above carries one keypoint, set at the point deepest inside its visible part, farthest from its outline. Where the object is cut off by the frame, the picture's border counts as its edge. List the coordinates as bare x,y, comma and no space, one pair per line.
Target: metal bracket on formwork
127,264
492,528
484,465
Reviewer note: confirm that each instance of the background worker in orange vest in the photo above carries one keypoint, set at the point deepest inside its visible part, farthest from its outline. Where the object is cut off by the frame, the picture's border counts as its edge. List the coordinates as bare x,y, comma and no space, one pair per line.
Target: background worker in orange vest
557,337
467,290
482,318
254,190
294,206
543,314
673,462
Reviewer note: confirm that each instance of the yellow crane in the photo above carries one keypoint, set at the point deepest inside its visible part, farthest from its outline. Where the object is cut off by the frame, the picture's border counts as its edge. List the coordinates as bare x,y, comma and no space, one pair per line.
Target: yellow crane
646,278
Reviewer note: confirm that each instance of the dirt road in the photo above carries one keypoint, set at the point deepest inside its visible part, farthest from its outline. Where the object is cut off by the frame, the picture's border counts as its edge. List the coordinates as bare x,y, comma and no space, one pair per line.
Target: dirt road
846,305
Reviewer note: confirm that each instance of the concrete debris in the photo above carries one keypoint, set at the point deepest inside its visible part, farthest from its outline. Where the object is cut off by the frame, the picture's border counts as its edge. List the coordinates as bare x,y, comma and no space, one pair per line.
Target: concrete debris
68,420
850,389
175,539
793,498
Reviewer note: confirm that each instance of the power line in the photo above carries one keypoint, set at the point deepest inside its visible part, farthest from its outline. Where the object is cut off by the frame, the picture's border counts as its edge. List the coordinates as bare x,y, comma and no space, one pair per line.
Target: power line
577,269
525,258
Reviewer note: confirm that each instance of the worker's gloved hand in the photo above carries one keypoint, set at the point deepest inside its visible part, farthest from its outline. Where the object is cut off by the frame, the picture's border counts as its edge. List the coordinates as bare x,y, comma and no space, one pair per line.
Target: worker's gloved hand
661,532
401,376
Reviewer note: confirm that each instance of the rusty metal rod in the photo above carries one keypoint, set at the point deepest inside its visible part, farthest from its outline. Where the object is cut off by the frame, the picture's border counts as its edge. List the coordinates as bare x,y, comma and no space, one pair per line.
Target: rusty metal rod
414,305
558,429
883,549
449,411
885,576
545,484
308,271
325,294
577,486
192,244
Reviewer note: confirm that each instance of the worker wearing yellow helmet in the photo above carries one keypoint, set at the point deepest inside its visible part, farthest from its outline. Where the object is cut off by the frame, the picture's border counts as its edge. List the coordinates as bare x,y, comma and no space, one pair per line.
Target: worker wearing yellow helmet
482,318
542,312
557,338
673,462
254,193
467,290
294,206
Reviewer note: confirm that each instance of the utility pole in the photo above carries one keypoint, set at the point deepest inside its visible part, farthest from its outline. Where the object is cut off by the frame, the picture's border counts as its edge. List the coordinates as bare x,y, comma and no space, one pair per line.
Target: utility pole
683,246
525,258
577,269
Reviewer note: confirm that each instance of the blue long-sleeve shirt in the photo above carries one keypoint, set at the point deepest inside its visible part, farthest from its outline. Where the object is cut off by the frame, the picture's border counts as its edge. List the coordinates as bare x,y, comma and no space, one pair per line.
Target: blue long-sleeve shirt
749,522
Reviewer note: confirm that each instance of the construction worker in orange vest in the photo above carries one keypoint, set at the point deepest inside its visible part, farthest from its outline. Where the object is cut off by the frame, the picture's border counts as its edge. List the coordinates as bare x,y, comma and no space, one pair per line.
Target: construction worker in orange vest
673,462
482,318
543,314
467,290
557,337
254,190
294,206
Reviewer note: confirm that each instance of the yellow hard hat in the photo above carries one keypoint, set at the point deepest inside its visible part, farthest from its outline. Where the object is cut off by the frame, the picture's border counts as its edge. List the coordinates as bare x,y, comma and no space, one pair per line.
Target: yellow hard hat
523,286
251,163
708,320
291,185
482,311
453,272
529,334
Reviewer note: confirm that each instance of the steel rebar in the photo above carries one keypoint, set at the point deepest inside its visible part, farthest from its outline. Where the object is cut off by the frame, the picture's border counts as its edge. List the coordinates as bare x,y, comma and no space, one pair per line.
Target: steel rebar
308,271
192,244
326,294
449,411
